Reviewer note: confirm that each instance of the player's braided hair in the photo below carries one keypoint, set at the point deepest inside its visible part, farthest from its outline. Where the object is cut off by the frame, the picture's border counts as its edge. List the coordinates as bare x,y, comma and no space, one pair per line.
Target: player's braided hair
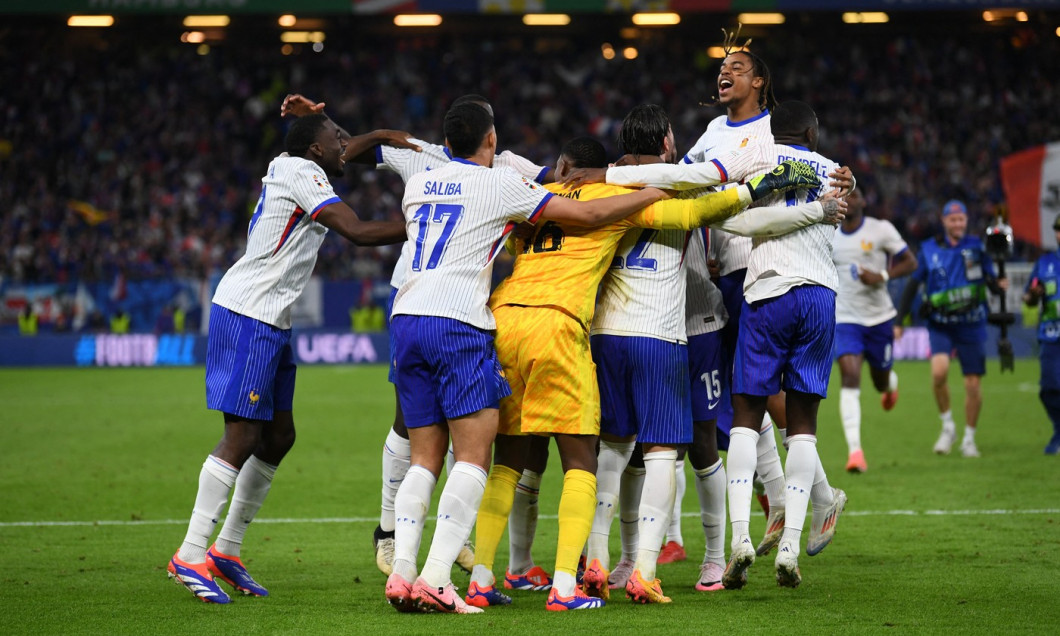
585,152
644,130
303,134
766,100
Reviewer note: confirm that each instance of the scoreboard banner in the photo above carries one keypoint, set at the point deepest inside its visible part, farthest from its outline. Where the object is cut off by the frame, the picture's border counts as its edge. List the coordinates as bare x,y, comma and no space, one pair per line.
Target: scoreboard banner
307,7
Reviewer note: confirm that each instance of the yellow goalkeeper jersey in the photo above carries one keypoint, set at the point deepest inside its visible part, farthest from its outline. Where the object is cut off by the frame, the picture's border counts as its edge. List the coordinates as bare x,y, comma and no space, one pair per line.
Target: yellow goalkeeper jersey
562,265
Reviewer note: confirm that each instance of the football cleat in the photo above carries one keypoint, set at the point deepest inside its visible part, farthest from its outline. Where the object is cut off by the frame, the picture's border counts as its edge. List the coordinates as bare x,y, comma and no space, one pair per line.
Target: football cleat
944,443
889,399
856,462
535,579
383,542
594,583
399,593
230,569
743,557
968,448
774,528
466,559
620,575
710,578
196,577
823,526
640,591
484,596
1053,447
671,552
579,601
787,565
440,599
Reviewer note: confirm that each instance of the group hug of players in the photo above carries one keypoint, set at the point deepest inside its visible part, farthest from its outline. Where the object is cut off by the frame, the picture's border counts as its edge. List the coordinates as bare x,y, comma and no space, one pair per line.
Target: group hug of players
655,305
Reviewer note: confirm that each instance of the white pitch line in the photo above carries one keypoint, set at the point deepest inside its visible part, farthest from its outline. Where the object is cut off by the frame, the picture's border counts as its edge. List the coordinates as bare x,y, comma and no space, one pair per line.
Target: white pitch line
173,522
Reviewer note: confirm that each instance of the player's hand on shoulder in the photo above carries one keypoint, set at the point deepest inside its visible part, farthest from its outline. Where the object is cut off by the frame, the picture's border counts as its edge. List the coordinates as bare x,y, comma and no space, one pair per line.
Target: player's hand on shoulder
397,139
714,268
842,179
834,208
299,106
578,177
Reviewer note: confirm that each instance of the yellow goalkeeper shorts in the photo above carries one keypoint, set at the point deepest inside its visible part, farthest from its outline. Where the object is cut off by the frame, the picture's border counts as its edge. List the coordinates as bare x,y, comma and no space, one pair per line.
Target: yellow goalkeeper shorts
546,359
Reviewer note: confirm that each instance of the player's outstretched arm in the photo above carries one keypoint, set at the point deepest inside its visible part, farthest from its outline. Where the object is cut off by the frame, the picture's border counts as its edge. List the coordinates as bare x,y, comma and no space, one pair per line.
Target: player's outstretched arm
341,218
782,219
680,176
358,149
600,211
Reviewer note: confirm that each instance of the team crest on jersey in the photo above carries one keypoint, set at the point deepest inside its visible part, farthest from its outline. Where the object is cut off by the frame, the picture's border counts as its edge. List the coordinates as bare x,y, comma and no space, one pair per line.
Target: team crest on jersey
743,144
866,245
254,397
530,184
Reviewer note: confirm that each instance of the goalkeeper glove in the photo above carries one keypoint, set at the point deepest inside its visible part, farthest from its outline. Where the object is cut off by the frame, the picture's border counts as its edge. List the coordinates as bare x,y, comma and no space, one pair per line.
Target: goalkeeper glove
786,176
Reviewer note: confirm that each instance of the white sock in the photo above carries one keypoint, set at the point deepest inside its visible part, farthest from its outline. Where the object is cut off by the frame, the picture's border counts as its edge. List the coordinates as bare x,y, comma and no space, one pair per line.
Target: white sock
800,469
522,522
410,510
656,505
947,421
673,533
769,469
710,486
850,414
740,466
457,509
969,434
892,381
629,511
611,461
252,485
215,482
397,453
821,495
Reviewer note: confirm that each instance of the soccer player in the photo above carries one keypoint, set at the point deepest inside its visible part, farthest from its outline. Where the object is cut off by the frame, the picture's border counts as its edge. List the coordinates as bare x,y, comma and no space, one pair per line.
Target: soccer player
1044,287
867,253
250,371
745,88
543,313
957,273
404,155
787,328
448,379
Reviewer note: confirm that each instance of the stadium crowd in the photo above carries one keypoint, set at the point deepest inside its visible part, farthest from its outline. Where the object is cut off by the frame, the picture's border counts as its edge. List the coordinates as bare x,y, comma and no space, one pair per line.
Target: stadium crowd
142,157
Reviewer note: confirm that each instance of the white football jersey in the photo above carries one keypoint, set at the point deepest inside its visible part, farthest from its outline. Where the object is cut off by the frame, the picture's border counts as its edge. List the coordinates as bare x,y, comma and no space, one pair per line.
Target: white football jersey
643,294
282,243
801,257
721,139
870,246
457,218
704,305
406,162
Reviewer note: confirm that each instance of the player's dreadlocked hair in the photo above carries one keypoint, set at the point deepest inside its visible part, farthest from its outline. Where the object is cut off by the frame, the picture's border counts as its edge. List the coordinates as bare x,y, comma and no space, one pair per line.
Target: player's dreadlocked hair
766,100
644,130
303,134
465,126
585,152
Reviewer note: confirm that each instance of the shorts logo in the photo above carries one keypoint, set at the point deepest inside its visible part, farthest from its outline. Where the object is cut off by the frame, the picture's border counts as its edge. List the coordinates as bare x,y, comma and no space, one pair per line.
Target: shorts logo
254,397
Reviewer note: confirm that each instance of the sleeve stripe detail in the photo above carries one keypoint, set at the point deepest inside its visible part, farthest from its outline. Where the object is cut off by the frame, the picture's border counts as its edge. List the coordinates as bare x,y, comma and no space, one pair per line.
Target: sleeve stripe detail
543,174
296,216
721,169
499,242
322,205
379,155
540,208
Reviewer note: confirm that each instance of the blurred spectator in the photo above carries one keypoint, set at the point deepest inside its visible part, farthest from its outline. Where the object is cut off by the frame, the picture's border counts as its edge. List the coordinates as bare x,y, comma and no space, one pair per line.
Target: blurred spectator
368,318
28,322
119,322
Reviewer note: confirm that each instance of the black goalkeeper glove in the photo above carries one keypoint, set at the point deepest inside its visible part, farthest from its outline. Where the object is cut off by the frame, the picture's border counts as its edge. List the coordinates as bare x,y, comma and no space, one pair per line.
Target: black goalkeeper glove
786,176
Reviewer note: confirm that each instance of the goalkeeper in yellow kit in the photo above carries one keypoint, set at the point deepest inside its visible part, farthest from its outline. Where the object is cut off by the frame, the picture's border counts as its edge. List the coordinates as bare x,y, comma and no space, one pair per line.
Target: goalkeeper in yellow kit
543,313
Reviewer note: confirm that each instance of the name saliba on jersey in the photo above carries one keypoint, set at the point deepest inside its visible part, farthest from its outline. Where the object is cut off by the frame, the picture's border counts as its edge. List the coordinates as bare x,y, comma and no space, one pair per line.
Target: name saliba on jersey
441,188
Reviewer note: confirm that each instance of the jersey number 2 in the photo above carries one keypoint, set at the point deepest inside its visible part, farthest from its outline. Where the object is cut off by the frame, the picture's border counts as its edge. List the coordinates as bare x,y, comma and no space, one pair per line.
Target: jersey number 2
444,214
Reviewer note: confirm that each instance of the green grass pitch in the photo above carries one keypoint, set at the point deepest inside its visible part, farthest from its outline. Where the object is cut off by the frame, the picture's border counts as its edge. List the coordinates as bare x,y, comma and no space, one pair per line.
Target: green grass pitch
99,470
